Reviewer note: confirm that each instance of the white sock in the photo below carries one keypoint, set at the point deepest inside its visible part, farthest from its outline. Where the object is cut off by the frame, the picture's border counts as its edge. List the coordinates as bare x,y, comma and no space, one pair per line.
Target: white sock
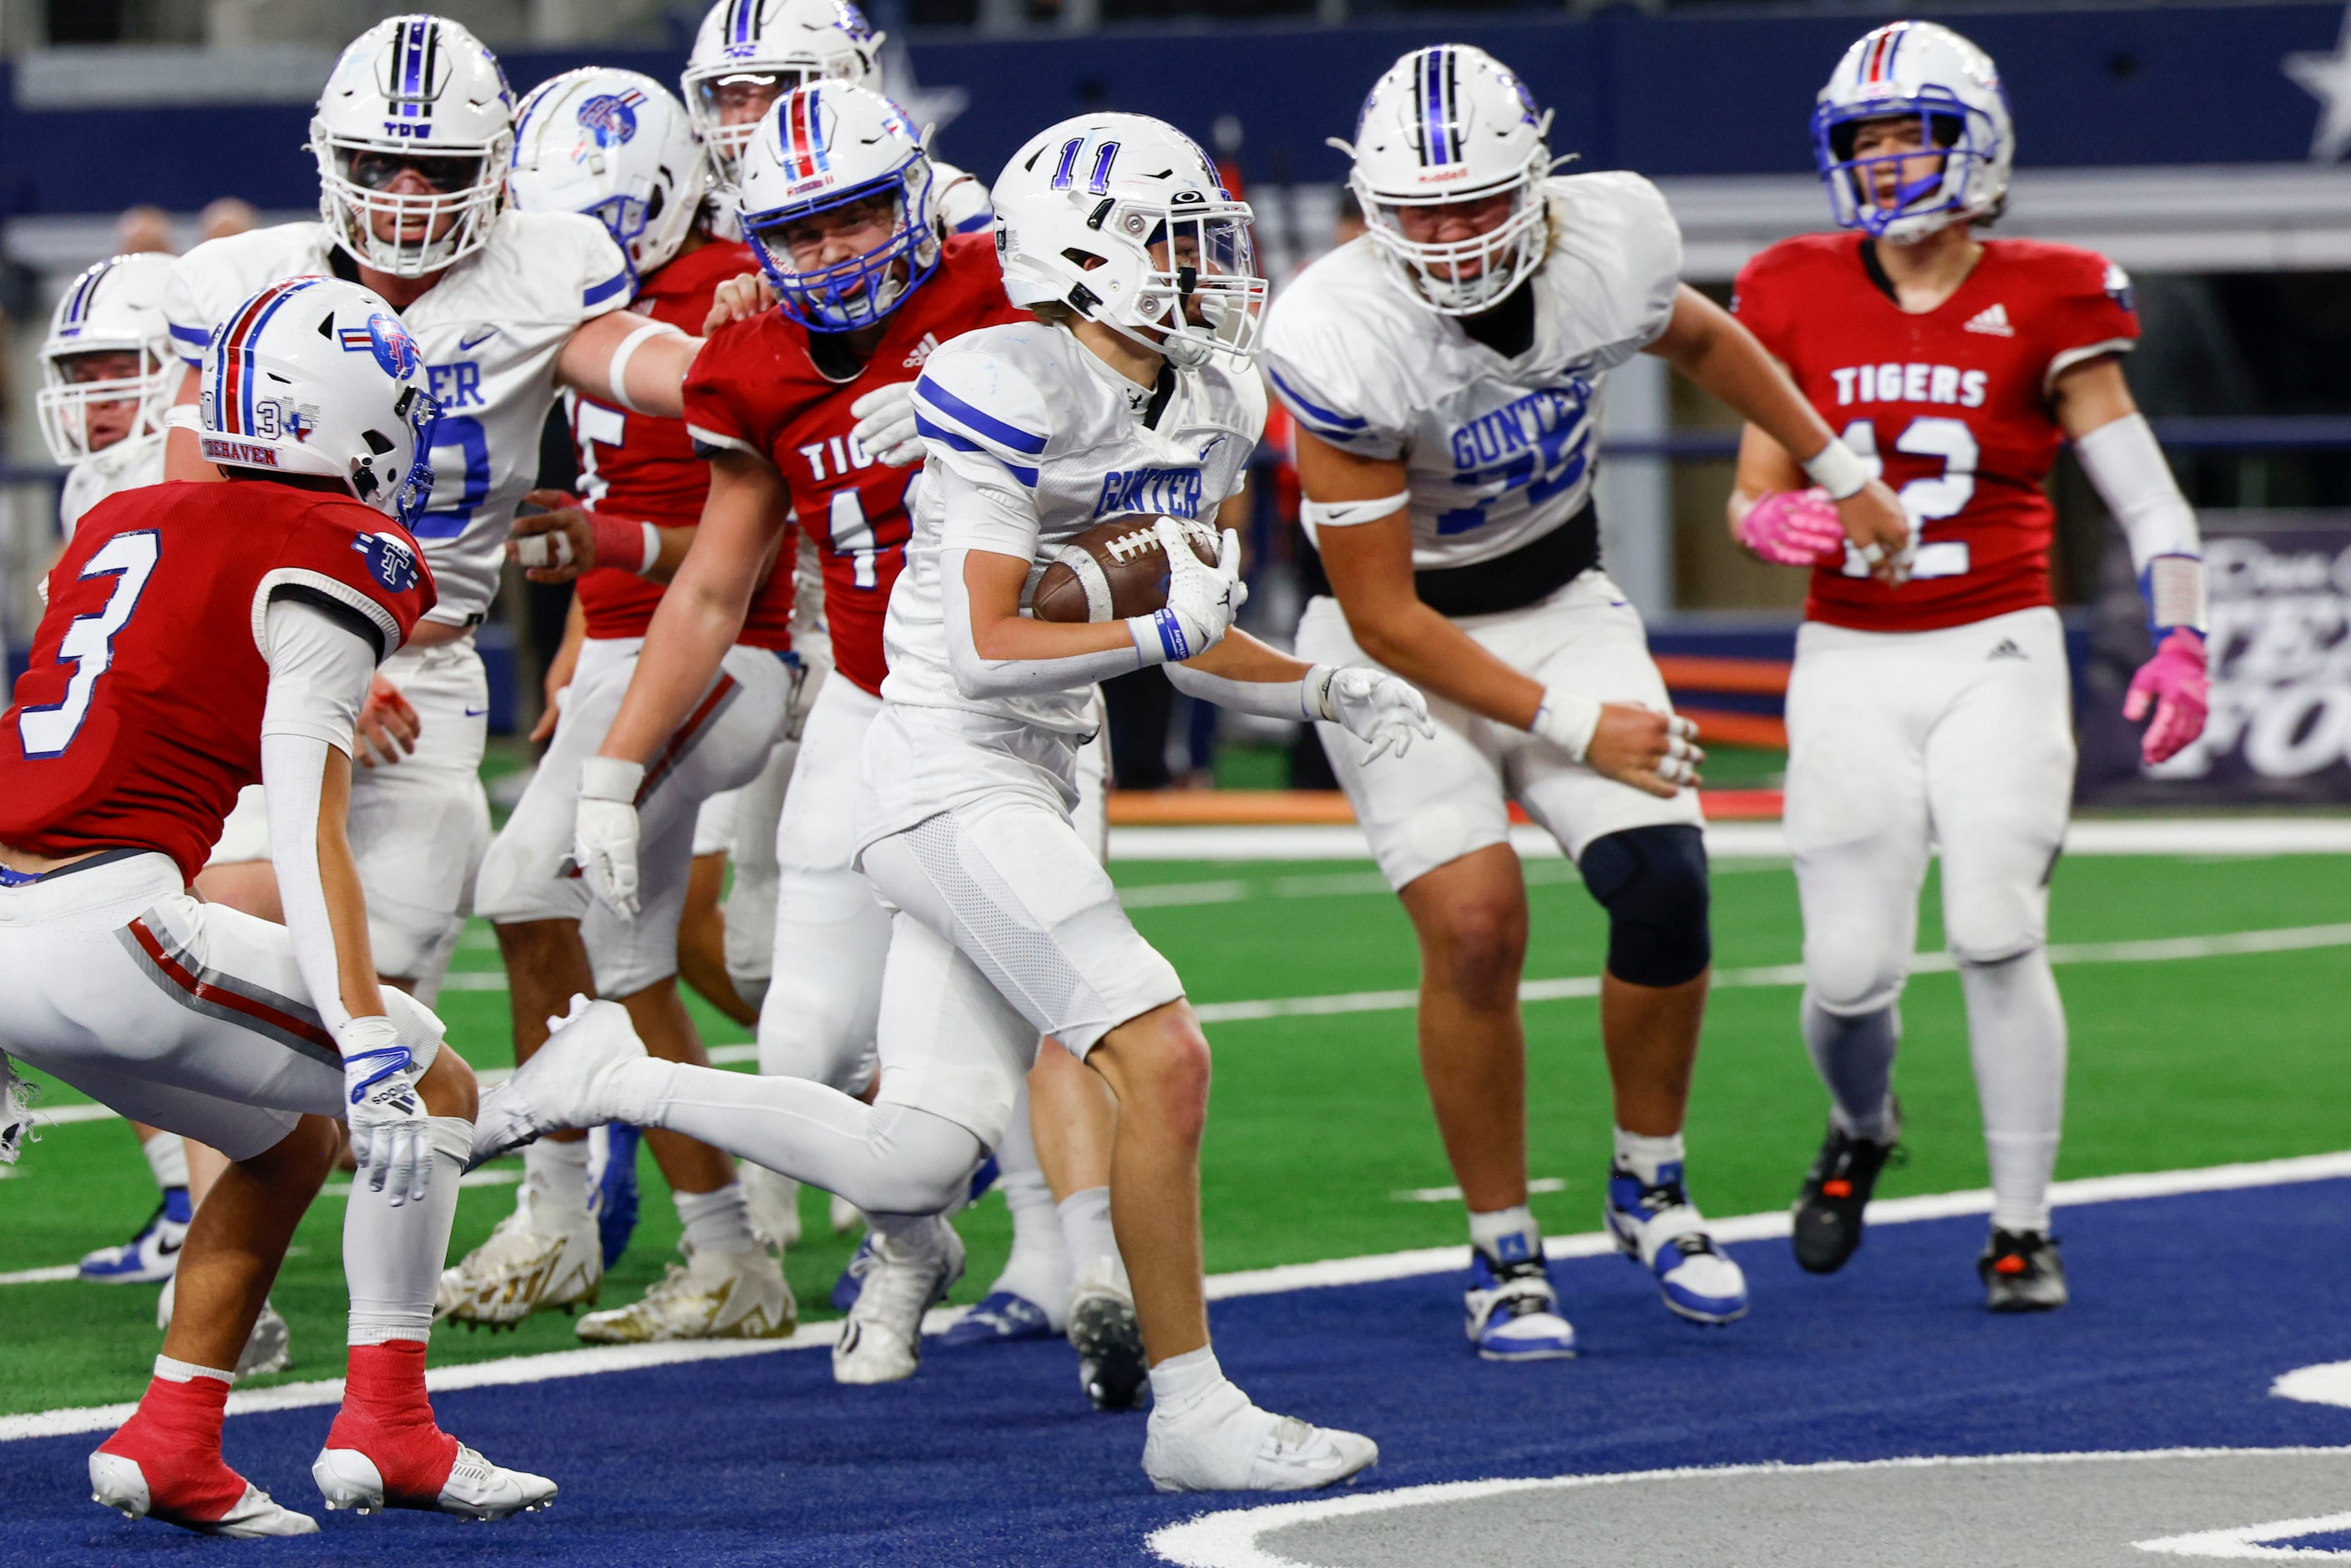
1647,1158
1506,1235
556,1174
2016,1034
1038,1269
172,1371
167,1156
392,1257
717,1221
1087,1233
1184,1380
1855,1057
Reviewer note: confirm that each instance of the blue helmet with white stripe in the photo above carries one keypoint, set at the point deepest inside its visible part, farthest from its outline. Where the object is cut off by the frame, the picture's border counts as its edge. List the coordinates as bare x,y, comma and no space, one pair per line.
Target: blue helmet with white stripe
314,375
115,307
1925,73
821,151
1453,125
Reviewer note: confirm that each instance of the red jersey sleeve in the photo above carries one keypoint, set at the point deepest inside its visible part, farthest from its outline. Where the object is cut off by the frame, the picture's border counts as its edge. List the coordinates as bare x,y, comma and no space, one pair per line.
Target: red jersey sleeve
2090,310
719,408
1759,299
359,567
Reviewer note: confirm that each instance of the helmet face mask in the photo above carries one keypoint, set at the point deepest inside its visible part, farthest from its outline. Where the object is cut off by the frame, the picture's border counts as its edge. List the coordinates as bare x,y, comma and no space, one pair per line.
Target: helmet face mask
834,167
1955,168
749,54
618,147
108,368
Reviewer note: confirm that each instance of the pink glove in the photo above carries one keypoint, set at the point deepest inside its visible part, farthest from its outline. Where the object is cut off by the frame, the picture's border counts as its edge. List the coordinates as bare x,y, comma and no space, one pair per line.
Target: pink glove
2174,685
1794,527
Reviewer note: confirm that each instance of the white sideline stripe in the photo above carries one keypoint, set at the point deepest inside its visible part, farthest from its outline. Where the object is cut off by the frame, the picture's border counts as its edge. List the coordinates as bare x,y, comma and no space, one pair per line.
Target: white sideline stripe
2241,1540
1229,1539
2329,1383
1453,1194
42,1276
518,1369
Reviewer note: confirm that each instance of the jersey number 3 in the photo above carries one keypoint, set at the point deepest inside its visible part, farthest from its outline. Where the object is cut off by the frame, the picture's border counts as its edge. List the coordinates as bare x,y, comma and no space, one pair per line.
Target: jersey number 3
1946,495
89,643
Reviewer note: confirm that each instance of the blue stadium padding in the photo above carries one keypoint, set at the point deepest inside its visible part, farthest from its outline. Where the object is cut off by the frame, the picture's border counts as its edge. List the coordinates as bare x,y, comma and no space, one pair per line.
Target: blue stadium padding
2184,1313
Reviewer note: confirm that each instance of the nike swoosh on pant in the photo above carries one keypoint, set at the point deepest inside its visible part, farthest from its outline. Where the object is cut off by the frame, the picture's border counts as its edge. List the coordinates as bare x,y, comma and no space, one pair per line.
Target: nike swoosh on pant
476,712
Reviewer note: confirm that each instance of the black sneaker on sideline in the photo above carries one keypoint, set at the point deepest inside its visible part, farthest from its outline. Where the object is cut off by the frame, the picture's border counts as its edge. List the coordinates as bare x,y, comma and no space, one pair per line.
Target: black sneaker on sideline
2021,1272
1828,1210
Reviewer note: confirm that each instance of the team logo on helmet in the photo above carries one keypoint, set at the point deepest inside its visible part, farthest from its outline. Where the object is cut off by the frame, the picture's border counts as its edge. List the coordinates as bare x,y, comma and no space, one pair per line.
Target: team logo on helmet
851,21
393,349
389,561
611,119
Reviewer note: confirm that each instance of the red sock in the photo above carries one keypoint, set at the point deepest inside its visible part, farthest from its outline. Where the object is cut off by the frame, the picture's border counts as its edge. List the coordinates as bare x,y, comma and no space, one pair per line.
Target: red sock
387,1415
174,1438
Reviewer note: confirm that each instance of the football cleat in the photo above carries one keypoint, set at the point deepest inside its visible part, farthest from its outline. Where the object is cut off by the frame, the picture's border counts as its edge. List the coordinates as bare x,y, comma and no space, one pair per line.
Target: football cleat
524,1269
1107,1337
853,1275
882,1339
474,1487
117,1481
567,1083
716,1295
1001,1316
148,1257
1222,1442
614,1201
1513,1310
1836,1190
1656,1226
2021,1272
774,1200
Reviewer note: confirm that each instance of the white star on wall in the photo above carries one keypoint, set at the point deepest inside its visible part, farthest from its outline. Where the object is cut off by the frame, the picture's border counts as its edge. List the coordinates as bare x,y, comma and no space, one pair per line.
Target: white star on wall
2327,78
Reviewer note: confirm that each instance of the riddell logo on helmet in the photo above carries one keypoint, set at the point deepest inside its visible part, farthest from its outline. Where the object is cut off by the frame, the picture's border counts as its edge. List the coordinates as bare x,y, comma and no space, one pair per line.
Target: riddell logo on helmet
219,450
1459,171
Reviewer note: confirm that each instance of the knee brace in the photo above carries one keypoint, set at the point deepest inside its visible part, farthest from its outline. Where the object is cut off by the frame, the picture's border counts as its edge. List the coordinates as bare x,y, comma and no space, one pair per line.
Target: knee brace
1652,880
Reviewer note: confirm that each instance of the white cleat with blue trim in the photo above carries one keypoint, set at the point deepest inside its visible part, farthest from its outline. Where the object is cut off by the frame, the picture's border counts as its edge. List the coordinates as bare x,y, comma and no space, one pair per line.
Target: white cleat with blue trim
1513,1310
1656,1226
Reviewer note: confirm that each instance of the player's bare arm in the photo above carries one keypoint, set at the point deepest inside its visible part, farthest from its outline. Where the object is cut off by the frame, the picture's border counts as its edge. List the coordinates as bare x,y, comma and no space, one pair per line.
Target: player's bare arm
1369,568
624,360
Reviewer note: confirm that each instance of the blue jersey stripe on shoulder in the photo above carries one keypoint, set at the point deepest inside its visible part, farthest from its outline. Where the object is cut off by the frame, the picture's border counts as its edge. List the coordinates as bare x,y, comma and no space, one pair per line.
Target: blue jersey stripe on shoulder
598,293
986,423
1313,412
974,225
196,336
964,443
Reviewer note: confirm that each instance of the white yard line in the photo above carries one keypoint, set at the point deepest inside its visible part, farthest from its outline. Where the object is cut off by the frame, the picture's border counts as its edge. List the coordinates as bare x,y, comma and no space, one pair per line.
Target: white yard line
1221,1287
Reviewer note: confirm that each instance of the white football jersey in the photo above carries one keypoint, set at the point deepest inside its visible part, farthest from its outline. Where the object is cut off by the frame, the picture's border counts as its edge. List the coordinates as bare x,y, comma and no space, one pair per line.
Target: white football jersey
490,330
132,465
1027,411
1499,451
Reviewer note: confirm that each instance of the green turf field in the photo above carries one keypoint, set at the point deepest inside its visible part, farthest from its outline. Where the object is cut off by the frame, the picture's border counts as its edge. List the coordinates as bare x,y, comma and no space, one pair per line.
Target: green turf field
1317,1124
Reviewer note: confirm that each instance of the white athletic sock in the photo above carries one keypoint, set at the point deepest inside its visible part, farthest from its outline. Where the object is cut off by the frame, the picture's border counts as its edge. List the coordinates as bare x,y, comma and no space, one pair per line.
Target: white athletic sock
1647,1158
392,1257
172,1371
555,1176
1855,1057
1087,1233
1506,1235
716,1221
1038,1269
2016,1034
167,1156
1184,1380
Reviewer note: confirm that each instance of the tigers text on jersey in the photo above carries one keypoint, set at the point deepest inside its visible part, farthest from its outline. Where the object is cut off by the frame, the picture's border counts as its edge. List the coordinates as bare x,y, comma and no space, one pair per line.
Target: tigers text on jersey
1499,451
643,466
490,330
1028,411
140,716
129,465
756,389
1952,406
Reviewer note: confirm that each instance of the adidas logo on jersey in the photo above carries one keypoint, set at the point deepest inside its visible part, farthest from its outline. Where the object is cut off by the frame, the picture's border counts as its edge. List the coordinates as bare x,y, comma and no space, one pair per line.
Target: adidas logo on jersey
1992,321
923,350
2006,648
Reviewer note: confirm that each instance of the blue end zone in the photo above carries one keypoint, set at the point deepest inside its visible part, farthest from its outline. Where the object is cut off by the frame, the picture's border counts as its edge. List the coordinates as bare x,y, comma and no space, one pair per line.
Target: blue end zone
2186,1309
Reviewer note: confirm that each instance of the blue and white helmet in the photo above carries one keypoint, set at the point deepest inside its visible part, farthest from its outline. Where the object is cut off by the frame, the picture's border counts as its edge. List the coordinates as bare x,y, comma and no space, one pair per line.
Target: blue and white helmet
1079,210
618,147
314,375
114,308
821,148
762,49
1451,124
1922,69
413,91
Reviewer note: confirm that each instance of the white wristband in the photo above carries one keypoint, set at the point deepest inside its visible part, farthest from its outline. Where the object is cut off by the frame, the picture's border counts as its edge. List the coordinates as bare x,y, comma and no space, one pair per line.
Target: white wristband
1314,694
182,416
2175,592
611,779
618,372
1835,469
1567,721
652,549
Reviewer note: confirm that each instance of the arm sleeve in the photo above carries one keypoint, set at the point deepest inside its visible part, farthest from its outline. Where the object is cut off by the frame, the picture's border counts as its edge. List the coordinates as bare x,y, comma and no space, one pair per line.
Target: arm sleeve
1266,699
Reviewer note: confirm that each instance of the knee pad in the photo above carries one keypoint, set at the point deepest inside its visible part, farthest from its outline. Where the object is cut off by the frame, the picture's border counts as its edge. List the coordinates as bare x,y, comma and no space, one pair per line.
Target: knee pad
1652,880
1848,975
1987,921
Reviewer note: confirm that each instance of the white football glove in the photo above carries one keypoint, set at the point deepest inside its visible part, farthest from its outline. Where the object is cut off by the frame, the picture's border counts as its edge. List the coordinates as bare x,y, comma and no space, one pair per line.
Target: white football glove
1383,711
885,424
1202,600
605,833
392,1136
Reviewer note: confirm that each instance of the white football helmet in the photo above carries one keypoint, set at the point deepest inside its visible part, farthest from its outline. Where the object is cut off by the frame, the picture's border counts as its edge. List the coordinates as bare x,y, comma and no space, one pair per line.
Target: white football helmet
1926,70
616,146
115,307
826,146
413,93
1123,219
1453,124
749,53
314,375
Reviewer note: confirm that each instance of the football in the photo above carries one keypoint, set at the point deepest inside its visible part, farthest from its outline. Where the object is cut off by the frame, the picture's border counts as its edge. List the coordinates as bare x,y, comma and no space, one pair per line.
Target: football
1112,571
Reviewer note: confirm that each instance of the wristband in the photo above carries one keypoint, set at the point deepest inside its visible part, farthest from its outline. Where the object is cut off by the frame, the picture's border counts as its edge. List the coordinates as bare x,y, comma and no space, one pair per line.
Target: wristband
611,779
2175,592
1567,720
183,417
1315,693
1159,637
618,371
624,544
1835,468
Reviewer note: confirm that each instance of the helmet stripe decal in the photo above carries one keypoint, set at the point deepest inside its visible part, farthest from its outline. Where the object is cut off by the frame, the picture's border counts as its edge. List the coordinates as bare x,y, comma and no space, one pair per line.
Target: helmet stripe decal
1432,108
816,135
232,398
86,291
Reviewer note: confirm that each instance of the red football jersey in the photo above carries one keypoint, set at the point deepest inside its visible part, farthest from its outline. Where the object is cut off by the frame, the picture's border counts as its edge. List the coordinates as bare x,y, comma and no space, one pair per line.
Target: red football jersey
641,467
756,389
140,717
1954,404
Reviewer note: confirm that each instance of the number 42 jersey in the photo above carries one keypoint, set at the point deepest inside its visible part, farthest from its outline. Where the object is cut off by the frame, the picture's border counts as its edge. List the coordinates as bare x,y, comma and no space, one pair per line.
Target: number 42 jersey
1952,406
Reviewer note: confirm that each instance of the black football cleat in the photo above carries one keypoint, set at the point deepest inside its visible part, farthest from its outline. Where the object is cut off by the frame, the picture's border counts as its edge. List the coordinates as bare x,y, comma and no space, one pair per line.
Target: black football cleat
1836,1189
2021,1272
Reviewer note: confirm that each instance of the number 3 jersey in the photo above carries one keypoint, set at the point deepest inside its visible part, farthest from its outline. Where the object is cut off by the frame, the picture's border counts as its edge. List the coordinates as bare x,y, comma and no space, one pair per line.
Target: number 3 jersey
1499,450
490,330
1952,406
756,389
139,717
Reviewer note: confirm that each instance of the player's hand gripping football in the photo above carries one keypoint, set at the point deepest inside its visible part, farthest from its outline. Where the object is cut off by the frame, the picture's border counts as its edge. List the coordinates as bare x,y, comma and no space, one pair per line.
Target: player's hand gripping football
1880,530
885,424
555,543
738,299
2175,685
605,833
1202,598
392,1136
388,725
1383,711
1657,753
